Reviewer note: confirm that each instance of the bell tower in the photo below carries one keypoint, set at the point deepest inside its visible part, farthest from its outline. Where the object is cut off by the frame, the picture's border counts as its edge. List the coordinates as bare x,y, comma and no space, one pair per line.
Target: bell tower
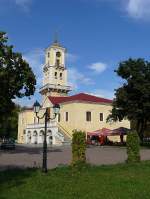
55,72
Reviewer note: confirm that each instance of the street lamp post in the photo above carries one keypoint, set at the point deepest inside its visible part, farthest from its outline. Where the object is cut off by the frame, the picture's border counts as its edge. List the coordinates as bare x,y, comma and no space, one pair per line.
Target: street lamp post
46,117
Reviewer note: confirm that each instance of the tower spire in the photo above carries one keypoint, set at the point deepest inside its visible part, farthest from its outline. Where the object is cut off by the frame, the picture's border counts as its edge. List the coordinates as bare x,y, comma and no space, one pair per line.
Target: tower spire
56,37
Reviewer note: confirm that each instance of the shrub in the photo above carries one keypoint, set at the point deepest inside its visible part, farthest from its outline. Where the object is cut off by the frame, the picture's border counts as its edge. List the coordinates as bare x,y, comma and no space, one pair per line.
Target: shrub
78,148
133,147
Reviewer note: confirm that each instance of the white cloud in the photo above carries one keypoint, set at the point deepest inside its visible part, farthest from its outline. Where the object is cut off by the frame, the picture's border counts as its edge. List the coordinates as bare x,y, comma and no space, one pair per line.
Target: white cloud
36,59
70,58
21,4
103,93
138,8
25,4
76,78
98,67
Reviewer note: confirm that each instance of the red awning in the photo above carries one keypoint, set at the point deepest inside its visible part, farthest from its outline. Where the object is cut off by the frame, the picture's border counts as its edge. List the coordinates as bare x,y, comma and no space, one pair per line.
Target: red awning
104,132
109,132
96,133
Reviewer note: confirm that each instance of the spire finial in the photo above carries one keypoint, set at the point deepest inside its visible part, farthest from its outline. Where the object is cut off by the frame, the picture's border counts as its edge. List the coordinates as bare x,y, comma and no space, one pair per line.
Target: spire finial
56,37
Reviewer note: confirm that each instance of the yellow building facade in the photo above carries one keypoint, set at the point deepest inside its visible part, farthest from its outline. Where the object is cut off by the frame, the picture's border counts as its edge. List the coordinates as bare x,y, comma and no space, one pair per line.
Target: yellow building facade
81,111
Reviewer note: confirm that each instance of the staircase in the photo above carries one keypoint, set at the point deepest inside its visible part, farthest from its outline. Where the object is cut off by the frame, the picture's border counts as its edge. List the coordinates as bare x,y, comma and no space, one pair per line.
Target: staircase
66,134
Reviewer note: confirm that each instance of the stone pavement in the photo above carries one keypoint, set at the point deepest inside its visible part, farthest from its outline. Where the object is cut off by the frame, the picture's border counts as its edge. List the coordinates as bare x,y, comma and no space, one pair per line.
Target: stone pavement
31,156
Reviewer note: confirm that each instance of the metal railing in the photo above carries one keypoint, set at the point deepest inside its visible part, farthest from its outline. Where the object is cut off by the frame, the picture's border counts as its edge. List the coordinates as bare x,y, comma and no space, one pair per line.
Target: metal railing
65,131
49,124
54,86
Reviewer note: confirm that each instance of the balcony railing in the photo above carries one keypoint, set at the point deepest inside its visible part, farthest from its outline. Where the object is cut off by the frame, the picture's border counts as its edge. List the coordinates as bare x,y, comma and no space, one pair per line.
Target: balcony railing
54,86
38,126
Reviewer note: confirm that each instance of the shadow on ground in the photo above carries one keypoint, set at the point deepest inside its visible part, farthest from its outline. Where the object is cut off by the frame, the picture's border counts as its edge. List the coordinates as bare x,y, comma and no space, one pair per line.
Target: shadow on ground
29,150
14,177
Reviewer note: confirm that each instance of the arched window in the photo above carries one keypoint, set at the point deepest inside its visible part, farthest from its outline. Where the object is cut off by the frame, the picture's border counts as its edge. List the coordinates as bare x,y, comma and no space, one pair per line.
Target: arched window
49,133
35,133
29,137
49,137
35,138
41,133
48,54
29,133
55,75
58,54
60,75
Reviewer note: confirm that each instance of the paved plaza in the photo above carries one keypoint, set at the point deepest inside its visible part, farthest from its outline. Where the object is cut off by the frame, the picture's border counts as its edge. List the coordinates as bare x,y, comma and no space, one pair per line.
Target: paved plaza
31,156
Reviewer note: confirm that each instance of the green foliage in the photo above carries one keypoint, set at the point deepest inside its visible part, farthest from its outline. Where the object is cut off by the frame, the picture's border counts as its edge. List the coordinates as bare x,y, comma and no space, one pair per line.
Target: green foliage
16,79
132,100
78,148
133,147
11,127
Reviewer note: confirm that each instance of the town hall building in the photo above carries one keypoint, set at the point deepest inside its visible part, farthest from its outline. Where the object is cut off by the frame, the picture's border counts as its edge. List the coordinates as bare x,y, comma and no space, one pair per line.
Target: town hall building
80,111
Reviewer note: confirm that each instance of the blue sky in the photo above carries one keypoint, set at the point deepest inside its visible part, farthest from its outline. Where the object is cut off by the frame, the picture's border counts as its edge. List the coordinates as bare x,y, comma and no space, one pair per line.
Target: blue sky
98,34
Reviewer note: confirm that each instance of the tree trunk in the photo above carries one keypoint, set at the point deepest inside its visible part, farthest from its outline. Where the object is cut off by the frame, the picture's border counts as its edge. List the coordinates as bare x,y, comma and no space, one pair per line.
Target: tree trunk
142,131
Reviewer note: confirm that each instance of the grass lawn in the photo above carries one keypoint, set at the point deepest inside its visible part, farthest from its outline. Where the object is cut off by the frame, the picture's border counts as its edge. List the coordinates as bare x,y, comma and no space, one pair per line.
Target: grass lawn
103,182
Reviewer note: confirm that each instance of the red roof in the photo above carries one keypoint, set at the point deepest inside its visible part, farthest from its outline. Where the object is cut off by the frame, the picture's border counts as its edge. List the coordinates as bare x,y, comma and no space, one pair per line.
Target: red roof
79,97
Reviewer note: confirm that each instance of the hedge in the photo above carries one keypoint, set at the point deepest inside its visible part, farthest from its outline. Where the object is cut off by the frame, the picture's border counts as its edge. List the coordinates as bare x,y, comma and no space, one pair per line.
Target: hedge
133,147
78,147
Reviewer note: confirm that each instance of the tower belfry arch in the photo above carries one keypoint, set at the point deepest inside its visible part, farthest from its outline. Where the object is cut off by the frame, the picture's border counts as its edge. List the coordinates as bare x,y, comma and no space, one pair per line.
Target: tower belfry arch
55,81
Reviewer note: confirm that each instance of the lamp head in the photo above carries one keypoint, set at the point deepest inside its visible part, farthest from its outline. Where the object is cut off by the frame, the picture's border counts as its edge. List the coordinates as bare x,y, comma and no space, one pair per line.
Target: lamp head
36,107
56,108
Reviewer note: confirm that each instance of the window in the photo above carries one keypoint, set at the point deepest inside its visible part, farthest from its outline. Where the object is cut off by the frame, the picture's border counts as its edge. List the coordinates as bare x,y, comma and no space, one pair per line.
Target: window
58,117
48,54
55,75
35,133
66,116
58,54
60,75
88,116
41,133
101,117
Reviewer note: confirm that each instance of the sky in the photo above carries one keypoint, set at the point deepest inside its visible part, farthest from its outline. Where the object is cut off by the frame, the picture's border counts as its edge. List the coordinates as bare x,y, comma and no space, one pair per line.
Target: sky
98,35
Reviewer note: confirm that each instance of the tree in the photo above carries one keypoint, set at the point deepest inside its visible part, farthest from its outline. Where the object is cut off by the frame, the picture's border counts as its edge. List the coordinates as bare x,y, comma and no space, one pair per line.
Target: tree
12,124
132,100
16,80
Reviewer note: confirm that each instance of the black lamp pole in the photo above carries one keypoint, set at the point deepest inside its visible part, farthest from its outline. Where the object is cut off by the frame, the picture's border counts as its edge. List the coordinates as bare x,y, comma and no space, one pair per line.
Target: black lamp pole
44,166
46,118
